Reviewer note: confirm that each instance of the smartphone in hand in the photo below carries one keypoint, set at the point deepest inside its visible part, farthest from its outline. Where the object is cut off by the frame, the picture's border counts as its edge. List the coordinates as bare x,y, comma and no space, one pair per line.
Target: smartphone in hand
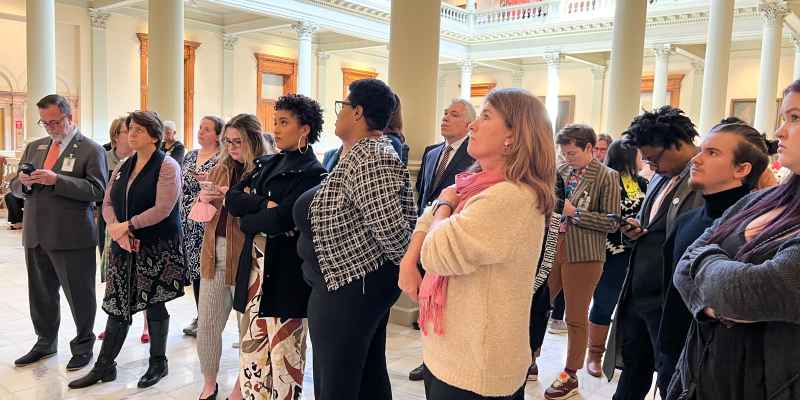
623,223
209,186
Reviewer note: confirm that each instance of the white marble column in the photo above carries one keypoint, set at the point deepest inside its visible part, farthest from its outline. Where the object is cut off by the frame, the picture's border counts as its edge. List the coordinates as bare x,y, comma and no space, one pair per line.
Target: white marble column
228,74
517,79
41,60
305,32
660,95
98,20
627,52
772,15
715,75
553,60
598,89
697,91
796,43
466,79
413,75
165,61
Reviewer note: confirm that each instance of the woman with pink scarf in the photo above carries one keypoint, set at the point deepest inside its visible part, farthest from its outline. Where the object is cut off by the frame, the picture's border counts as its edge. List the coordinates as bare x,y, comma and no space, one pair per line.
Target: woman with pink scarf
479,243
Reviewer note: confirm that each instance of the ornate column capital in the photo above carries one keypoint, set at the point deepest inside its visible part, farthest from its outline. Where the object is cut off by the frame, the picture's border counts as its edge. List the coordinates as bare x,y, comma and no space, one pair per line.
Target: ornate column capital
98,18
517,74
466,65
599,73
772,12
698,66
663,50
229,41
304,29
796,43
552,58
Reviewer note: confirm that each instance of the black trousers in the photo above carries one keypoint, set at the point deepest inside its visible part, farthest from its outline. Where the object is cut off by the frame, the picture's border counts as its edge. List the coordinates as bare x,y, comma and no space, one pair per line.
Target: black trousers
540,314
639,354
14,205
348,332
438,390
74,272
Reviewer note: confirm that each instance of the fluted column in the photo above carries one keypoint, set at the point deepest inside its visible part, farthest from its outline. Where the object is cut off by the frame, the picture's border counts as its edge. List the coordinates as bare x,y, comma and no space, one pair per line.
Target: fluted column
165,60
98,21
41,60
228,75
796,74
715,74
697,90
627,51
553,60
661,76
466,79
516,78
305,32
598,87
772,15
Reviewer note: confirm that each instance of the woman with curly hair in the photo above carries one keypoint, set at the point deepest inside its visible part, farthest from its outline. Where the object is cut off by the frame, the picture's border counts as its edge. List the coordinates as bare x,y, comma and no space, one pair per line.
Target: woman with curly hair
270,290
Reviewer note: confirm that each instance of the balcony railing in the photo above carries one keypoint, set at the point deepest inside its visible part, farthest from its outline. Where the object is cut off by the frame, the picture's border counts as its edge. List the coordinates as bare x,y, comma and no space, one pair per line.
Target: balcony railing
531,12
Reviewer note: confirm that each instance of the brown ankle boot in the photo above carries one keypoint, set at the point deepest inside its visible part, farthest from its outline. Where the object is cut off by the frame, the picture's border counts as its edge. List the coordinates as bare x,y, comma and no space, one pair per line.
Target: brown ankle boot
597,346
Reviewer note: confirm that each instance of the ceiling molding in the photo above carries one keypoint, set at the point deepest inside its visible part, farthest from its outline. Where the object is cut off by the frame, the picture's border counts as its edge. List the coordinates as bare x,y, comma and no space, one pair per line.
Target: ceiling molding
106,5
259,25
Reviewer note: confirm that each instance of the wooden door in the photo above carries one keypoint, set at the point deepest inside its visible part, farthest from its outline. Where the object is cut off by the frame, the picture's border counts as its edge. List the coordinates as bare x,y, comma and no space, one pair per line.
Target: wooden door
275,76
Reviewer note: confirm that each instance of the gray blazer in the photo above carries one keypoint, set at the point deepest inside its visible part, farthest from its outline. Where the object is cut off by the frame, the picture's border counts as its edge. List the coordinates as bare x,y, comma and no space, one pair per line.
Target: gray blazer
62,216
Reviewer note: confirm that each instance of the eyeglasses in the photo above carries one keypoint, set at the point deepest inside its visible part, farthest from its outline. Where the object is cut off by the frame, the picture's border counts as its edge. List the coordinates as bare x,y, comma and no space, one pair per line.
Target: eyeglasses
51,124
655,160
339,104
233,143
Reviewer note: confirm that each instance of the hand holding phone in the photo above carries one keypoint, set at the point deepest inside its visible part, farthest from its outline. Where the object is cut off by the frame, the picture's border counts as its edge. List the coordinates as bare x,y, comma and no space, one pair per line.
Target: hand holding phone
209,187
628,226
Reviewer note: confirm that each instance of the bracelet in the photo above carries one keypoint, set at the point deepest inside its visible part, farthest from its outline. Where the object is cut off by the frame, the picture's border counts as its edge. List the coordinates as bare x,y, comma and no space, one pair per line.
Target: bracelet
438,203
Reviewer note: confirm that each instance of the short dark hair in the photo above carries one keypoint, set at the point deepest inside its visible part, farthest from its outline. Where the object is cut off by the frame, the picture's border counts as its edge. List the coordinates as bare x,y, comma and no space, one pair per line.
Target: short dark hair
395,123
306,110
55,100
753,148
150,121
622,158
578,134
666,127
605,137
377,100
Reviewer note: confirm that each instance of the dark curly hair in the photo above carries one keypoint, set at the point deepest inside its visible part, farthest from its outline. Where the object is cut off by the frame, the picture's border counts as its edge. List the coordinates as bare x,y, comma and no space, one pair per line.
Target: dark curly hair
306,110
377,100
666,127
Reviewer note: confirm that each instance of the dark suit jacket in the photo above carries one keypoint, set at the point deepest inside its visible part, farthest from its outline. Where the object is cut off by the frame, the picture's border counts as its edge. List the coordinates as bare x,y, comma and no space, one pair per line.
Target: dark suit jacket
331,158
61,217
684,200
426,190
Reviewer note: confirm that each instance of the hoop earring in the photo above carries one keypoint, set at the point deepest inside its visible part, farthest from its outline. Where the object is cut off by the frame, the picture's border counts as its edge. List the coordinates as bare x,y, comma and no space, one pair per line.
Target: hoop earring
300,140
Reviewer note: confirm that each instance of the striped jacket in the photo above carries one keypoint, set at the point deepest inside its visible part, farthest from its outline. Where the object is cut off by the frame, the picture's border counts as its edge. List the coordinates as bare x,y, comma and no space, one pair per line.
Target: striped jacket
596,196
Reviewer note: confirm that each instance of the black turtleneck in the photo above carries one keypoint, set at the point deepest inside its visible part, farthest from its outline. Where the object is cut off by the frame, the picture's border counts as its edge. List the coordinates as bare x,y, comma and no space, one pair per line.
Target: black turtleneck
691,225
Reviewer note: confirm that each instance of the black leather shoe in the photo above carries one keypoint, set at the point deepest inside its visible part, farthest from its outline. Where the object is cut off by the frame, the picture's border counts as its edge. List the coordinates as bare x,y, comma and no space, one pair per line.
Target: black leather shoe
100,373
79,361
32,357
417,374
155,371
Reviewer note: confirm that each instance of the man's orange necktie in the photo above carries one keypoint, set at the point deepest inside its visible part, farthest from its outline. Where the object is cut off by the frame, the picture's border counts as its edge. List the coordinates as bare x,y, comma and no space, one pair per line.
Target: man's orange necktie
52,155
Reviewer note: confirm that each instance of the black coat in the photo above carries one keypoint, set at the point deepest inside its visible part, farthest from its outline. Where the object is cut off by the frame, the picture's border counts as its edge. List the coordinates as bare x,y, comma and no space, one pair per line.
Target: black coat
426,190
280,178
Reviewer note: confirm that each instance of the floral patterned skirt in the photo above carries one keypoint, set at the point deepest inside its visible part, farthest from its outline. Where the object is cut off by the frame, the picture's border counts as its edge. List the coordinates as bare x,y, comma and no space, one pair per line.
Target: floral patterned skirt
134,281
272,355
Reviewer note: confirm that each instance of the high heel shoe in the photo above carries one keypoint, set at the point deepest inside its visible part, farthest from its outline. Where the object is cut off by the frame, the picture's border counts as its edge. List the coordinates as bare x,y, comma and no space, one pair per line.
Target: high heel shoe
213,396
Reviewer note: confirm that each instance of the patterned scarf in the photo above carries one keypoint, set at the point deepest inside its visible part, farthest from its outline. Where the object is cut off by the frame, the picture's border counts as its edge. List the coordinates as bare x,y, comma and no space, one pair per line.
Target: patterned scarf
433,290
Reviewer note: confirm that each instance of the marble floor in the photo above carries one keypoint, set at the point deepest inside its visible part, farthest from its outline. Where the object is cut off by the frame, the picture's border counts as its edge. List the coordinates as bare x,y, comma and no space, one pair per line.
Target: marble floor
48,379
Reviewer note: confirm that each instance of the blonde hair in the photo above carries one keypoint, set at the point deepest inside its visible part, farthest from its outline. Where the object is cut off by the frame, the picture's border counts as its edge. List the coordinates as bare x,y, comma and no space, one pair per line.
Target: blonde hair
114,130
252,141
531,158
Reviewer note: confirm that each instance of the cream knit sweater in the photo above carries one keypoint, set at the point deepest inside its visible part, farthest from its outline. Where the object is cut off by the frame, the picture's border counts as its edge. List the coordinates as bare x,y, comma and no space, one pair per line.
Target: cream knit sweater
489,251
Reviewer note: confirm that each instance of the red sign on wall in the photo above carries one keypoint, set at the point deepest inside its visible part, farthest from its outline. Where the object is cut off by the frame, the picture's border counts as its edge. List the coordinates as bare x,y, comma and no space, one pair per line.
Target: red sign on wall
18,124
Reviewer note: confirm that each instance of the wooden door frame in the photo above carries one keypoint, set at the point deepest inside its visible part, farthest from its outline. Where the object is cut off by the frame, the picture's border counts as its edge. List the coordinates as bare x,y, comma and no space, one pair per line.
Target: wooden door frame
268,64
673,87
189,59
351,74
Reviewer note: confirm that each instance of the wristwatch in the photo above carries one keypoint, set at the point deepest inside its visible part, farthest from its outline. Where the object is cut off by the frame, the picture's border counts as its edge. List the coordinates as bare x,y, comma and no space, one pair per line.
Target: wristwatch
130,227
438,203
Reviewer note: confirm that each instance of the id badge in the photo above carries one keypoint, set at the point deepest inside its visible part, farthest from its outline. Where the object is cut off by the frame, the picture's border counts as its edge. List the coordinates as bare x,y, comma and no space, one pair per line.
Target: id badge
69,164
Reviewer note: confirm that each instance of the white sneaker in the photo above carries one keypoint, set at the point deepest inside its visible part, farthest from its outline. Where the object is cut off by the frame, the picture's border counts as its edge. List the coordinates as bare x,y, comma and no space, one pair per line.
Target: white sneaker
557,327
